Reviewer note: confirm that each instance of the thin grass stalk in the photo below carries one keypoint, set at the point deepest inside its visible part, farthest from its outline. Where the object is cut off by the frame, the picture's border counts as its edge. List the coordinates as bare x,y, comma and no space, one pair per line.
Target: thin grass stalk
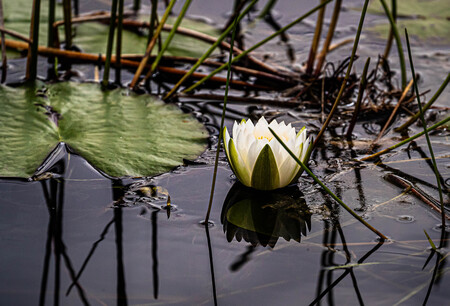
109,46
150,46
401,143
426,106
209,51
318,181
2,35
394,111
136,5
222,120
267,8
76,8
391,32
398,41
430,147
51,31
119,42
259,44
362,88
67,9
347,75
31,72
316,40
169,38
330,34
153,19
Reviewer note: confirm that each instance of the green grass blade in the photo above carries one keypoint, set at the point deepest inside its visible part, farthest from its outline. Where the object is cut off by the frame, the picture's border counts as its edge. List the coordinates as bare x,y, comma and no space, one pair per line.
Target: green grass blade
222,121
430,147
398,41
259,44
316,179
209,51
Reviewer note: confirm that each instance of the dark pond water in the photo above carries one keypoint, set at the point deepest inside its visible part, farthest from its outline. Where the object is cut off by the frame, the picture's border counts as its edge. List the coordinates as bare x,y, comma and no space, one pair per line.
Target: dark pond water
80,238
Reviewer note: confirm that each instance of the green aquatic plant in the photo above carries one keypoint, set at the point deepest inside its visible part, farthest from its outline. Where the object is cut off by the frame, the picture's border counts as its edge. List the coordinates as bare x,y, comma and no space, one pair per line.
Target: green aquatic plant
120,133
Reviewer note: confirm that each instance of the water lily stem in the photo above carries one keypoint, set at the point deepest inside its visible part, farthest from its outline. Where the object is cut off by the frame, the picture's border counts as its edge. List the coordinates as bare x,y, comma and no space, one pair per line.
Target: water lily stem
430,147
347,75
209,51
222,120
259,44
436,125
316,179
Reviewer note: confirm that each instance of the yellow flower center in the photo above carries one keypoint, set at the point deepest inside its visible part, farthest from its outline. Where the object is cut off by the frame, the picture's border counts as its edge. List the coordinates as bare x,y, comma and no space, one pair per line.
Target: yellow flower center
269,138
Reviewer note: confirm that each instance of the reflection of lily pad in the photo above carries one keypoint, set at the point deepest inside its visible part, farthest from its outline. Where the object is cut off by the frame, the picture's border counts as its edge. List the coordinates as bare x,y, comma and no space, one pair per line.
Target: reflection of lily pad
118,133
427,20
92,37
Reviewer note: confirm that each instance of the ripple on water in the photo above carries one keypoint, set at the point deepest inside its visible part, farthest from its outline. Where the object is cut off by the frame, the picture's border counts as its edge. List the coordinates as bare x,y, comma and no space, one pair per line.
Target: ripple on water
405,219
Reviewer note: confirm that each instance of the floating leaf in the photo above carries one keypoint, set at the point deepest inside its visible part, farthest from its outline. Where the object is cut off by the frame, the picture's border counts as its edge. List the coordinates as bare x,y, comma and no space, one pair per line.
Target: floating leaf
121,134
427,20
91,37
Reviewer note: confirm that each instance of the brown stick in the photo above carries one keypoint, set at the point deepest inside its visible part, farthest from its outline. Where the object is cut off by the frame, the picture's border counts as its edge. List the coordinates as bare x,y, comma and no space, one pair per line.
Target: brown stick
315,41
94,58
273,102
427,199
15,35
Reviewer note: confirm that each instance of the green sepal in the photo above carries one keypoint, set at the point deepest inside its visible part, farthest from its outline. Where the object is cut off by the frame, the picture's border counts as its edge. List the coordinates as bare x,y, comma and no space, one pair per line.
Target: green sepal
239,168
265,174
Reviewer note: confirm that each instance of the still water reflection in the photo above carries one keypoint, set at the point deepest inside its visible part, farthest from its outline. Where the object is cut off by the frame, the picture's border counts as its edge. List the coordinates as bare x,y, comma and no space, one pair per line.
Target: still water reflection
77,237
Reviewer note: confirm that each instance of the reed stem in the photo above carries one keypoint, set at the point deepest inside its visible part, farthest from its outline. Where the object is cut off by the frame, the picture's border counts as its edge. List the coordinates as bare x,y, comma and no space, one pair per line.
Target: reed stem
347,75
209,51
31,72
330,34
67,9
430,147
259,44
51,30
391,32
315,41
150,46
169,38
362,88
316,179
2,35
398,41
153,19
109,46
426,106
222,120
118,64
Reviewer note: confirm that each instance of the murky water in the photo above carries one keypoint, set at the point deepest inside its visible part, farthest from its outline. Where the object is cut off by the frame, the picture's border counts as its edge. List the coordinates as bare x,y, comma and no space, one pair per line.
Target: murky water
81,238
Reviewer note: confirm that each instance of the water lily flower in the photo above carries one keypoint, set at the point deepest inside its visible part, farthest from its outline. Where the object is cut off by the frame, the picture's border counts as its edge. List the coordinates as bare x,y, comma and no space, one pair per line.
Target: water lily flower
257,158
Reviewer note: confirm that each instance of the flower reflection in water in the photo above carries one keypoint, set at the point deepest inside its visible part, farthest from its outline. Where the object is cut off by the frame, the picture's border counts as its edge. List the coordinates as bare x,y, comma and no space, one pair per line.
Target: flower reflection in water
261,217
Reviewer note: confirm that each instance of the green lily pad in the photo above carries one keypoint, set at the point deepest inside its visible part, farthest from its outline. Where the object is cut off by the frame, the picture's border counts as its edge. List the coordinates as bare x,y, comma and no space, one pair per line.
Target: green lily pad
121,134
92,37
425,20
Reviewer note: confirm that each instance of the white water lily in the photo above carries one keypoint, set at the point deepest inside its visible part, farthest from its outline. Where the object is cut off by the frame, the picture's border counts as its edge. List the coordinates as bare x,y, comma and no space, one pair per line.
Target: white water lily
257,158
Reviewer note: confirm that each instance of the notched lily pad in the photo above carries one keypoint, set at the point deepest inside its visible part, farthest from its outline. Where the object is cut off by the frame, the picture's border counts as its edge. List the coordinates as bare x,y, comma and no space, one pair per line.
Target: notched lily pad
92,37
120,134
